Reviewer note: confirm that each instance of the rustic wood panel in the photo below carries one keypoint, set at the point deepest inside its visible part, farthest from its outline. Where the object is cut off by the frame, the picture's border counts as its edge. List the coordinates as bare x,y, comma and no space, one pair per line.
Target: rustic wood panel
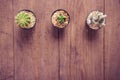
112,40
47,53
81,49
36,50
6,40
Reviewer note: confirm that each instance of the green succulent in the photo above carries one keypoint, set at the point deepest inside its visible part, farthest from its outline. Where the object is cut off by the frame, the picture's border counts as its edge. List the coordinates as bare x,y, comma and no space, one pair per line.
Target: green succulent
61,19
23,19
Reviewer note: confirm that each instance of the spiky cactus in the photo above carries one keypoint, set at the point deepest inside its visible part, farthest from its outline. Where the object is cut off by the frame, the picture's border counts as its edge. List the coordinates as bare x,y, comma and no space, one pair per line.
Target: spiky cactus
25,19
61,19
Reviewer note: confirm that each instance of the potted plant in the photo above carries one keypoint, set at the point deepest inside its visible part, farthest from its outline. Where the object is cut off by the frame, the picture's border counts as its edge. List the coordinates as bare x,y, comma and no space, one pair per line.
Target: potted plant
25,19
60,18
96,20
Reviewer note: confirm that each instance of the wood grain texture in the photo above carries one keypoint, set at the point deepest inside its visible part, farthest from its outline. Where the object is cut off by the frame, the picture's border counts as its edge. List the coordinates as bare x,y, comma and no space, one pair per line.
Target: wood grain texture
81,49
6,40
112,40
36,50
47,53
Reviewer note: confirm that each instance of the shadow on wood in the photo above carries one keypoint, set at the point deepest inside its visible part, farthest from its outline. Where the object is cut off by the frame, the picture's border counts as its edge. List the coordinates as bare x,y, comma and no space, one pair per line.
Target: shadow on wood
55,32
61,33
26,35
91,35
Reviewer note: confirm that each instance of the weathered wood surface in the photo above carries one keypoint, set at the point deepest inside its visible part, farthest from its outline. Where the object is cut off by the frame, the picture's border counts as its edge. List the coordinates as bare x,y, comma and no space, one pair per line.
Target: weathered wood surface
81,49
36,50
6,40
112,40
47,53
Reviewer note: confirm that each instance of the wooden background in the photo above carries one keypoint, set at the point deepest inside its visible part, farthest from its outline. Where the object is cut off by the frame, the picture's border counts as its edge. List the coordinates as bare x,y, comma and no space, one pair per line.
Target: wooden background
47,53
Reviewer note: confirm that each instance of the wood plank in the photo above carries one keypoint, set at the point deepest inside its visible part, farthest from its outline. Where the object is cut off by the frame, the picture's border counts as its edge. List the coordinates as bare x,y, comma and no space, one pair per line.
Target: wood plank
36,50
112,40
6,40
81,49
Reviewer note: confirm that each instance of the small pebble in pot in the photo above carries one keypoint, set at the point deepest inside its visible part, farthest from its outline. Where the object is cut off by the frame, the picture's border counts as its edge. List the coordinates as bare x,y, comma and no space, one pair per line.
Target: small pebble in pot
96,20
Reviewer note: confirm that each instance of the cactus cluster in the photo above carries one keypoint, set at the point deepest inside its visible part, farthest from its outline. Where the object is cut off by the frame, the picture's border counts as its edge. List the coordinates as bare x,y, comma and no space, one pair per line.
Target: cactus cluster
96,20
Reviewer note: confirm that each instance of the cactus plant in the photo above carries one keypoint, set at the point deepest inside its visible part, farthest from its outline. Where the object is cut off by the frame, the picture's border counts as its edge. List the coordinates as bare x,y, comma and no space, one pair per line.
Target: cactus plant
96,20
60,18
25,19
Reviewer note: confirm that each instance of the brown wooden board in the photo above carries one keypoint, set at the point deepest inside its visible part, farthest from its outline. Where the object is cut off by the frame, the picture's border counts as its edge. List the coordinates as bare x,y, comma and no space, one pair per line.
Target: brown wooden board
6,40
36,50
112,40
47,53
81,49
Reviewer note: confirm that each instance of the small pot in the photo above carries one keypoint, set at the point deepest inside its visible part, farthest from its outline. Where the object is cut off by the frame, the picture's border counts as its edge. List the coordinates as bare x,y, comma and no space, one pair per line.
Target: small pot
96,20
25,19
60,18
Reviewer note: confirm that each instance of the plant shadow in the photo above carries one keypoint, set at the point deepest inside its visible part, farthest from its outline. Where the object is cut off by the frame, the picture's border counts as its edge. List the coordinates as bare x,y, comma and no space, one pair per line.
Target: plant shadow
26,35
91,34
58,33
55,32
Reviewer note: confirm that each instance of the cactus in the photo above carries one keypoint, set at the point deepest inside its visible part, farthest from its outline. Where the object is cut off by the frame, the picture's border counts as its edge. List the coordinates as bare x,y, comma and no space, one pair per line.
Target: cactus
23,19
61,19
96,20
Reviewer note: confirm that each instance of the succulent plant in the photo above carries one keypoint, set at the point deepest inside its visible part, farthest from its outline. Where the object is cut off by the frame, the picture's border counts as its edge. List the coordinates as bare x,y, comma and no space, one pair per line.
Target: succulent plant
61,19
23,19
96,20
